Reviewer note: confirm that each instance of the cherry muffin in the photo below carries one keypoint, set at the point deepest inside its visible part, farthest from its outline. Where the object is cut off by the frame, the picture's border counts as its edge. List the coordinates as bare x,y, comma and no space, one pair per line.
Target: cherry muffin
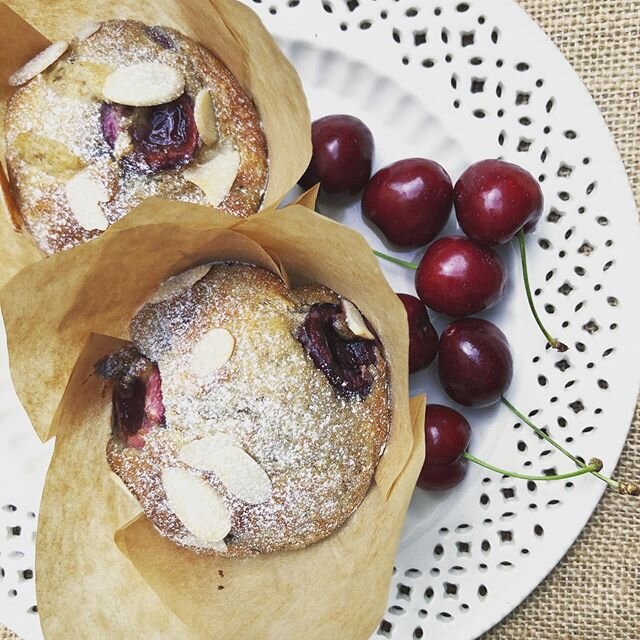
247,417
121,113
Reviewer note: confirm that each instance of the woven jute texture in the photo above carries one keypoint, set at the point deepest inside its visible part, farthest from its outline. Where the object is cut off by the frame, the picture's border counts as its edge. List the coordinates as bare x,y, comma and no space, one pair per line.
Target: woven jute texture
594,593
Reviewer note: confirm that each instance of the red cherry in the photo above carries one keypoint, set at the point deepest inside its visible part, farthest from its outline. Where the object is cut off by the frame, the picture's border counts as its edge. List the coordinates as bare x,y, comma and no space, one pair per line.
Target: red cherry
447,434
342,156
475,364
495,199
410,201
423,339
459,277
439,477
166,136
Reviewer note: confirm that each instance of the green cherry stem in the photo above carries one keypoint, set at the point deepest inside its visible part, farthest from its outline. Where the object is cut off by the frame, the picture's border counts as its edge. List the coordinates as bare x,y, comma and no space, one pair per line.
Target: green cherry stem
553,342
593,466
625,488
402,263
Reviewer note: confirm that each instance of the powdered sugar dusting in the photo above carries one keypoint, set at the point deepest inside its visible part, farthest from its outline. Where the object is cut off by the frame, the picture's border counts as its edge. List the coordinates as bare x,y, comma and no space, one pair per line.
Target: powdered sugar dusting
63,104
319,450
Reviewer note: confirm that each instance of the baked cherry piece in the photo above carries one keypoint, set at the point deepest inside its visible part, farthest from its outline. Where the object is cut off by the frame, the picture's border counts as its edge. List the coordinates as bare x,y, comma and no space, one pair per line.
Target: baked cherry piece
494,199
423,339
475,364
342,156
409,201
166,136
458,277
137,400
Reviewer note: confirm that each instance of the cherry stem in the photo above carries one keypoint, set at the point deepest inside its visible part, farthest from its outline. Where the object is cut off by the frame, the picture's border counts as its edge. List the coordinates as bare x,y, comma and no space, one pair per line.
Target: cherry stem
553,342
625,488
594,465
402,263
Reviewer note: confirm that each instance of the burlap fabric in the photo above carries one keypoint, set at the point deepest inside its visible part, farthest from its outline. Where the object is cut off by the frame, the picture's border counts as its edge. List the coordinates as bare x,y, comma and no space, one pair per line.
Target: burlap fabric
595,591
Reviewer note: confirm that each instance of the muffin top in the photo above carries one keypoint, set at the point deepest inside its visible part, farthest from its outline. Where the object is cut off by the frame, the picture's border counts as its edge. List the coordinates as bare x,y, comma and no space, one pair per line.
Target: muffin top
123,112
248,417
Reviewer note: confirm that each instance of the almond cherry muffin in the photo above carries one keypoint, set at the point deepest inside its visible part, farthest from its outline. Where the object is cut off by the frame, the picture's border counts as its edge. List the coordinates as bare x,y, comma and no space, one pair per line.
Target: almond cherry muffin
121,113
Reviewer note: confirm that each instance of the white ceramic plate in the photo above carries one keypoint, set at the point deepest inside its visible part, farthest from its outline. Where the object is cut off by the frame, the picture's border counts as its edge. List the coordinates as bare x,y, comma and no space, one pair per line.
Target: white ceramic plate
456,82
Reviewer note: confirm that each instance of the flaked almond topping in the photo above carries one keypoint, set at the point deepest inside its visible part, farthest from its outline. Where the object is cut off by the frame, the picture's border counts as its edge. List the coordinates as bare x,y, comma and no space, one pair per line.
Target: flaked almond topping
237,470
145,84
197,504
38,64
217,174
84,194
87,30
211,352
355,321
174,285
198,452
205,117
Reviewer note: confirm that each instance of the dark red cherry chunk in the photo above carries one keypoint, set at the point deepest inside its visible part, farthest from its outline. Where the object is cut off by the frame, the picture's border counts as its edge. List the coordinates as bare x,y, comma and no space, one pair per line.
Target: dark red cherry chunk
342,156
475,364
137,394
409,201
344,361
494,199
458,277
166,136
113,121
423,339
440,477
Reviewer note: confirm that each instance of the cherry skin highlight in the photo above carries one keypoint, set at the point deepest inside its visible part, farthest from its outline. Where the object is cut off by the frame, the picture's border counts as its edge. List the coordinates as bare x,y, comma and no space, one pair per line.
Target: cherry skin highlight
342,156
475,364
494,199
409,201
423,339
458,277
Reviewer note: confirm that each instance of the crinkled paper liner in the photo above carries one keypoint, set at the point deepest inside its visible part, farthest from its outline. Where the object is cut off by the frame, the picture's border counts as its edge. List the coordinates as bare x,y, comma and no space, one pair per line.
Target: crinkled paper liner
230,30
103,570
140,585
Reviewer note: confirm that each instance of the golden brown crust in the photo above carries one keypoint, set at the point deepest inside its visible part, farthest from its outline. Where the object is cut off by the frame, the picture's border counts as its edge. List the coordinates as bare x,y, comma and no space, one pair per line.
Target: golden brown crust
319,449
53,131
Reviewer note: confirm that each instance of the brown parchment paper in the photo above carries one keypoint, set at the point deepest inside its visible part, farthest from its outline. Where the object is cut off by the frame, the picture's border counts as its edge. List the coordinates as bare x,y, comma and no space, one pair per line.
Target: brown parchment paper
229,29
334,589
50,307
87,588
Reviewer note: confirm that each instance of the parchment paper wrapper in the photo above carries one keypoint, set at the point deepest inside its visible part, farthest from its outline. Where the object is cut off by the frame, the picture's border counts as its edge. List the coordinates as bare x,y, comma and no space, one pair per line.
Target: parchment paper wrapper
51,307
139,585
230,30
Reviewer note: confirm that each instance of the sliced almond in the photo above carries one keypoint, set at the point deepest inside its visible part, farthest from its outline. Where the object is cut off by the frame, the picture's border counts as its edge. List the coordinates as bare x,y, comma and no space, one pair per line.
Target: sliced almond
38,64
84,194
205,116
217,174
196,503
174,285
211,352
237,470
87,30
144,84
355,321
198,452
